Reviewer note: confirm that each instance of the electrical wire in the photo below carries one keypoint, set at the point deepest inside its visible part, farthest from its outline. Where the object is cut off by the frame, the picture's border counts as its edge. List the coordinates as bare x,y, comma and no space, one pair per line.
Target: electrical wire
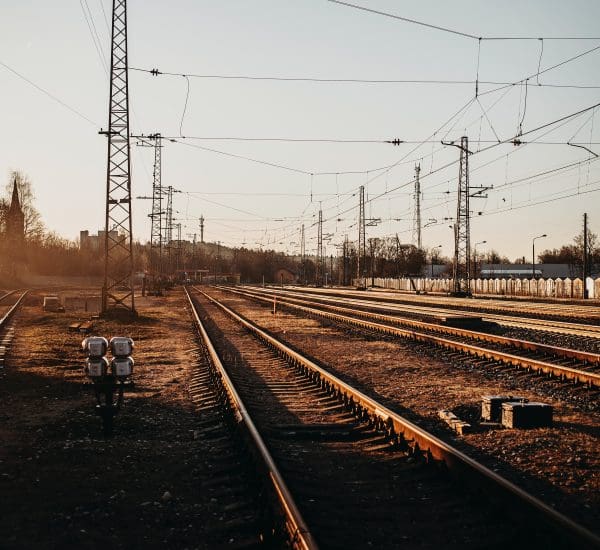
156,72
51,96
94,34
454,31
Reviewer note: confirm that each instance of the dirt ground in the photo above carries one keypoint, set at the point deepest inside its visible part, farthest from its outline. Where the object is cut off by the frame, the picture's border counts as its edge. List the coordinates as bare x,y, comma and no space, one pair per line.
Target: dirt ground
561,464
62,484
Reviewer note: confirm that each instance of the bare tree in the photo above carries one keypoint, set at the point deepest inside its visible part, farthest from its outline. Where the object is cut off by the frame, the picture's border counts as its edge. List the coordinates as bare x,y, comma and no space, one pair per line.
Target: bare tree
3,211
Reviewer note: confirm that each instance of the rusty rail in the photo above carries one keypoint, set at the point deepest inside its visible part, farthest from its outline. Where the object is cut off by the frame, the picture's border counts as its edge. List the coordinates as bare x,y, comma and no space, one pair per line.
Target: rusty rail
576,375
481,479
299,535
11,311
557,351
497,312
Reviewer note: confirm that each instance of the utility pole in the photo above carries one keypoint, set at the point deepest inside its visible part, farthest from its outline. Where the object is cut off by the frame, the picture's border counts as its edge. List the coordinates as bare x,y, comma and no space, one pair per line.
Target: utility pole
361,256
417,213
331,269
179,249
462,225
168,232
371,251
585,256
345,263
303,255
117,289
319,278
202,228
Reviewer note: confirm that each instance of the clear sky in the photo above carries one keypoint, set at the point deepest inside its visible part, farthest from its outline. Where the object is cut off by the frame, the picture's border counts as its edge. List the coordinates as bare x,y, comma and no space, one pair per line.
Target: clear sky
52,45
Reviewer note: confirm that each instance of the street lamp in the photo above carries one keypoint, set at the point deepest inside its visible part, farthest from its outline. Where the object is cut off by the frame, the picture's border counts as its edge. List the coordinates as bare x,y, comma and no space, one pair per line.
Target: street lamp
475,256
438,246
533,254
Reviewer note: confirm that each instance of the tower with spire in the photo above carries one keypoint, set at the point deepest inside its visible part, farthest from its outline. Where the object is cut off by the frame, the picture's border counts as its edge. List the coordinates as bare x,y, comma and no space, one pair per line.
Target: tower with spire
15,218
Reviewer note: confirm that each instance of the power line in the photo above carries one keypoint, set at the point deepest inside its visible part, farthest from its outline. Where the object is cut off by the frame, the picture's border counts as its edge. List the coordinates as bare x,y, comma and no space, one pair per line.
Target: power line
459,33
87,14
156,72
350,141
182,141
51,96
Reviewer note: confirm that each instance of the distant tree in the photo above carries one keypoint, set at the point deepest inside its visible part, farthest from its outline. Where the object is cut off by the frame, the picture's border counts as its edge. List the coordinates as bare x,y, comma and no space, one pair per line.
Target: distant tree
3,211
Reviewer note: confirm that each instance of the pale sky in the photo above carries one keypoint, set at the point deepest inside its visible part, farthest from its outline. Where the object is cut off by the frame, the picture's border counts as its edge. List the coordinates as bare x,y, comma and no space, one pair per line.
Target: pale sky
51,44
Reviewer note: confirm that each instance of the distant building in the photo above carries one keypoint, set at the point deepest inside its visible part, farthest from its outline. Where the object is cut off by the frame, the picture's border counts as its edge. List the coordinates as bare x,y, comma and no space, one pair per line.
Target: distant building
94,242
15,219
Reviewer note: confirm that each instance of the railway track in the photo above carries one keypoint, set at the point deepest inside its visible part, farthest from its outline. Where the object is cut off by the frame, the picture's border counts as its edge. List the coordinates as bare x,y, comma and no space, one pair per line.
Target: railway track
360,474
562,363
543,317
7,331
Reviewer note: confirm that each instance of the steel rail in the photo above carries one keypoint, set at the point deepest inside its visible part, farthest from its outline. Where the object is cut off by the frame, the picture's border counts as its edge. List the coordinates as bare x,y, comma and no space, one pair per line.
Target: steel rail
487,312
299,535
576,375
9,313
531,323
584,356
480,478
7,294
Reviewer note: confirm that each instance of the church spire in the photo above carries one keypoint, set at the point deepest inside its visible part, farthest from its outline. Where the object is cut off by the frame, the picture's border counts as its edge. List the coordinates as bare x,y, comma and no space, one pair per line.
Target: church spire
15,203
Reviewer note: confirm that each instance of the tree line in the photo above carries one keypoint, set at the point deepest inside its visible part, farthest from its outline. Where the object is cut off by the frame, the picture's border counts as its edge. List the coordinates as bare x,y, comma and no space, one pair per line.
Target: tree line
46,253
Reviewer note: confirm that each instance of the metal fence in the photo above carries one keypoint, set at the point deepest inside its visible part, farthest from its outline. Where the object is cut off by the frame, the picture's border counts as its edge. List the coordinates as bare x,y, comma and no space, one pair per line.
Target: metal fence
542,288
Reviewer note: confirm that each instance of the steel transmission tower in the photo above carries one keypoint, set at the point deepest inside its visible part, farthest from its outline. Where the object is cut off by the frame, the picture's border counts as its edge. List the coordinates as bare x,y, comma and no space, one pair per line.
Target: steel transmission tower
319,281
362,253
156,216
201,228
462,226
417,214
117,290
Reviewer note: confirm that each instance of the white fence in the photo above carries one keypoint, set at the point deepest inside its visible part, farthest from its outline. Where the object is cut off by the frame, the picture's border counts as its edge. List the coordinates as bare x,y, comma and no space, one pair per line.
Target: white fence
543,288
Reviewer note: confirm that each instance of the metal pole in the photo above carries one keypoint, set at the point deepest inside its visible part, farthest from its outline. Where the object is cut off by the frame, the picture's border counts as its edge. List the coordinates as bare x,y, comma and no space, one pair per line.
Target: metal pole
585,256
117,289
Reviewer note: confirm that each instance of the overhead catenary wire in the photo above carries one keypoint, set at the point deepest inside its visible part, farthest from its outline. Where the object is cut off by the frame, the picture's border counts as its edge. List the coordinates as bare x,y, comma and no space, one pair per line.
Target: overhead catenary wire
156,72
454,31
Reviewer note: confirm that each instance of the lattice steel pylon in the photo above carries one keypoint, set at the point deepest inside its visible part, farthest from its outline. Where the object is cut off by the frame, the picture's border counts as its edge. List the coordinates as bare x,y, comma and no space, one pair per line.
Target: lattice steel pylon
361,271
319,278
117,290
417,213
156,244
462,227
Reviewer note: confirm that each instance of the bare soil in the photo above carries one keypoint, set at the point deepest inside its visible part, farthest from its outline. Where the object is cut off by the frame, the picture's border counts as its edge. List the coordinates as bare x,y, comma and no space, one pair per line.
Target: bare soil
63,484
